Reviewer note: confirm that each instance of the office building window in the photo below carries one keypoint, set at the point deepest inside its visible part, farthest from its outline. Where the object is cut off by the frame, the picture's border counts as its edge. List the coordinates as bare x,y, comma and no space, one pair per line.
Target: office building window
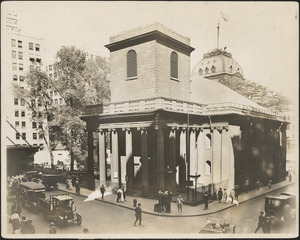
31,67
17,124
55,75
22,102
50,67
20,66
56,101
13,42
16,101
14,54
131,64
208,168
22,78
41,136
20,54
17,135
34,136
30,46
14,66
16,113
174,65
22,113
15,77
51,93
55,93
24,135
60,101
19,43
39,102
37,47
33,124
23,124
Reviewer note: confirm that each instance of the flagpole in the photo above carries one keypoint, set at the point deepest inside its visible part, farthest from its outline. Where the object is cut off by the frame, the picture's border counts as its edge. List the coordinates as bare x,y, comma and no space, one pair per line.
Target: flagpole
218,27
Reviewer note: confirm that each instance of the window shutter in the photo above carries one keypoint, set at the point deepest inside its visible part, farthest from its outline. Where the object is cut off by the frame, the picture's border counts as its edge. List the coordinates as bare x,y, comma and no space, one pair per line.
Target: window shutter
131,64
174,65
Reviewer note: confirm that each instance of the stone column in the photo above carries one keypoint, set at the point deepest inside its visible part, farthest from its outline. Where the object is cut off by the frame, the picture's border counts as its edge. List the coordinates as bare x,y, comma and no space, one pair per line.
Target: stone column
193,153
102,158
114,164
144,159
172,162
129,158
90,163
201,155
160,155
216,148
182,163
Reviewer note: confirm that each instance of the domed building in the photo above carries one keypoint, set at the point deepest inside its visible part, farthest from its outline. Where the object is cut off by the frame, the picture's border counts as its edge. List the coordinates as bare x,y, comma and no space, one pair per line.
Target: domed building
217,65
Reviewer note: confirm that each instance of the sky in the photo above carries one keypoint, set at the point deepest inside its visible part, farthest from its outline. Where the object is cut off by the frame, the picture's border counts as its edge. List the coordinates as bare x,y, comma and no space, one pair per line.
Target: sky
263,37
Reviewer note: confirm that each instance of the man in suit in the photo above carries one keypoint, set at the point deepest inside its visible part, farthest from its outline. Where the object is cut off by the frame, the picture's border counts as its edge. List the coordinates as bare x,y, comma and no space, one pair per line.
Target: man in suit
138,214
261,222
102,190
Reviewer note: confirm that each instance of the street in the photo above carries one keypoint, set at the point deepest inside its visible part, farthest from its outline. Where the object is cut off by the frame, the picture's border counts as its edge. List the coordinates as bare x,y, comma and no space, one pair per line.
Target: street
105,218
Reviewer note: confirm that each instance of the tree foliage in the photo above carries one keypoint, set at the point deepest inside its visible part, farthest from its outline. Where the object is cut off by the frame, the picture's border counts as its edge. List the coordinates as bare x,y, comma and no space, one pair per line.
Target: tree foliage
258,93
79,82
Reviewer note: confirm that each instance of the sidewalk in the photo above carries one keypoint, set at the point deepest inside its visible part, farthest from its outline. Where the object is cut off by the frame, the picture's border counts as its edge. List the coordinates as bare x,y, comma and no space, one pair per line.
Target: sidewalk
188,211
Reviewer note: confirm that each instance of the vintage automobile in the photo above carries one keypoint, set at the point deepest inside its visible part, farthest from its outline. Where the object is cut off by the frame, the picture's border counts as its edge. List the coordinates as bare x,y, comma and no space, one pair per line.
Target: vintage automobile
60,209
50,180
216,226
29,194
31,175
280,208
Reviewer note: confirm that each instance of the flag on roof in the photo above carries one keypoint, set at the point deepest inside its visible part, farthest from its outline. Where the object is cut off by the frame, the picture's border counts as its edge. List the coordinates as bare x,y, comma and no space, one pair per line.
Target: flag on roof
224,16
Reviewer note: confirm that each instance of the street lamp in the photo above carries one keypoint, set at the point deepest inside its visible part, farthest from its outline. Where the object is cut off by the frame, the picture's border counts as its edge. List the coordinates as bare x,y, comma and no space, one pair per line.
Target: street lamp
196,177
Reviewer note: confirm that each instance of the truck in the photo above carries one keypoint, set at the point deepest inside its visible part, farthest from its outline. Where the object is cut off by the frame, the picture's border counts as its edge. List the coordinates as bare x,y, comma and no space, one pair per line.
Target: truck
60,209
29,193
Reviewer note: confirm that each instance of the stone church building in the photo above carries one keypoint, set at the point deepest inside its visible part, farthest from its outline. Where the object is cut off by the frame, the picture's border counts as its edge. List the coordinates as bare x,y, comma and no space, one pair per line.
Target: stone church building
168,128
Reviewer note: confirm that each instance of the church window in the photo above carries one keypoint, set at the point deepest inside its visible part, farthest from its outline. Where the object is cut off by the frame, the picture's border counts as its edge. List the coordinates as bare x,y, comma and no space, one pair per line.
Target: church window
213,69
208,168
131,64
174,65
208,141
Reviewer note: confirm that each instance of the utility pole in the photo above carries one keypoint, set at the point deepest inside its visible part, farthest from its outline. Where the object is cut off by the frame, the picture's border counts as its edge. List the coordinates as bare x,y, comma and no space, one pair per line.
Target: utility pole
218,30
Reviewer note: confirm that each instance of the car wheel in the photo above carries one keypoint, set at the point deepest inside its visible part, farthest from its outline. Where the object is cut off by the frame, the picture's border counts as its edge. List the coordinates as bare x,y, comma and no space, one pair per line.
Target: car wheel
79,219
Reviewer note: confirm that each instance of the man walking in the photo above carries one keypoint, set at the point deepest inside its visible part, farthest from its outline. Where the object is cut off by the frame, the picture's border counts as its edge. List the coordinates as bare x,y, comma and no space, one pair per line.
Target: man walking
257,184
138,214
16,208
102,190
246,185
220,195
261,222
205,201
77,186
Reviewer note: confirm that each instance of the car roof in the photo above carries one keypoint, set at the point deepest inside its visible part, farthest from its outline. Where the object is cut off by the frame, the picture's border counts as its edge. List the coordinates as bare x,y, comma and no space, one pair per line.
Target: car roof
63,197
280,197
33,185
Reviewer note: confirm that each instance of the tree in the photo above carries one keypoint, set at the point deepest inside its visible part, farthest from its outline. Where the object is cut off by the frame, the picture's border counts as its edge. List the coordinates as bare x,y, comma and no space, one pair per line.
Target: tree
80,82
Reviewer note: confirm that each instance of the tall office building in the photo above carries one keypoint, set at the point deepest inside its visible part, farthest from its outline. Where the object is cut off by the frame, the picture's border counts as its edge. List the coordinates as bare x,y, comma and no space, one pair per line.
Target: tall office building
19,54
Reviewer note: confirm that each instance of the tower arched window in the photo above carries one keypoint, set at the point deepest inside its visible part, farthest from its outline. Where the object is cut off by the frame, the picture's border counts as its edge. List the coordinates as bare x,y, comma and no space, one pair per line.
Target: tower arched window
213,69
200,72
131,64
230,69
174,65
206,70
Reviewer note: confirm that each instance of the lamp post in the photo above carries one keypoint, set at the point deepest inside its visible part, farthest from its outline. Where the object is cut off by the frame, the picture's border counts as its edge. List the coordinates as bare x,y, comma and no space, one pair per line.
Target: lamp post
196,177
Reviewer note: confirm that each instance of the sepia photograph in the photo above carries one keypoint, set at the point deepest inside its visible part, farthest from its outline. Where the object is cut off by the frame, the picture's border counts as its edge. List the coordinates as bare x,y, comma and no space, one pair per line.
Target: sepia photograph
149,119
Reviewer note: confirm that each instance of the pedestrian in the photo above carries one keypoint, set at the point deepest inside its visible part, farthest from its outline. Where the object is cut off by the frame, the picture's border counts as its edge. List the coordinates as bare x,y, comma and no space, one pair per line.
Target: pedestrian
270,184
257,184
232,195
267,224
119,194
169,201
220,195
164,202
16,207
77,187
246,186
30,227
102,190
179,204
160,199
24,224
261,222
138,214
52,229
124,193
85,230
15,222
206,201
224,196
237,191
290,176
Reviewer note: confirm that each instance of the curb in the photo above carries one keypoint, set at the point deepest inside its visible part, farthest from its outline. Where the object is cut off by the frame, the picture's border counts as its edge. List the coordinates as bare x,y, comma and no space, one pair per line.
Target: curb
194,215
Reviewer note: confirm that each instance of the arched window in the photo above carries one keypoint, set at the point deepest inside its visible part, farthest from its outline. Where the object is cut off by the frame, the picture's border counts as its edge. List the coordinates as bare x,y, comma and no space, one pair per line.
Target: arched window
230,69
174,65
208,168
131,64
208,141
213,69
200,72
206,70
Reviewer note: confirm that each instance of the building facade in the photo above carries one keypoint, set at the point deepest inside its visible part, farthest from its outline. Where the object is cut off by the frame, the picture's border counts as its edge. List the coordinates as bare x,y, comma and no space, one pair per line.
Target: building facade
163,137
